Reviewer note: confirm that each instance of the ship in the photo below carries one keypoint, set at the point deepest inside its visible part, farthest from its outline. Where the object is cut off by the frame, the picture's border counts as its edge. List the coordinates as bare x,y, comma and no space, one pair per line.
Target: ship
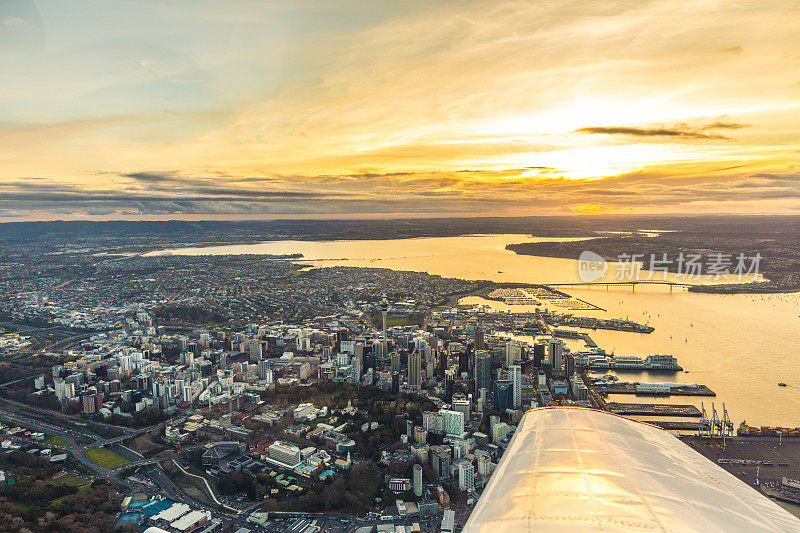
781,384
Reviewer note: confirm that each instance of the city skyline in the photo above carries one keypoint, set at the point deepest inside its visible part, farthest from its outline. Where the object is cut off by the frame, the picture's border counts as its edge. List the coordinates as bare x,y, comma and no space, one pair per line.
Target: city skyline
421,267
251,109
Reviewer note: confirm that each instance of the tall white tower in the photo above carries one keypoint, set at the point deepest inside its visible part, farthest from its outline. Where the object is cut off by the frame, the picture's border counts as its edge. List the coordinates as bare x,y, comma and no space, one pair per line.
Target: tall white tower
384,307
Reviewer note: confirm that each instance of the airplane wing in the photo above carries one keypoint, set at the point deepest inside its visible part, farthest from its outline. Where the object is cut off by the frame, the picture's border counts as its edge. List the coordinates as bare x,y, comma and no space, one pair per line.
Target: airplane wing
571,469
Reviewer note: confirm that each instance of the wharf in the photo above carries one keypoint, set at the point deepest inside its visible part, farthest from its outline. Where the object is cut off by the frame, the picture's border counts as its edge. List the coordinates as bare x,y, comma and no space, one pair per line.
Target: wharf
674,426
630,388
586,322
757,461
570,334
778,493
652,409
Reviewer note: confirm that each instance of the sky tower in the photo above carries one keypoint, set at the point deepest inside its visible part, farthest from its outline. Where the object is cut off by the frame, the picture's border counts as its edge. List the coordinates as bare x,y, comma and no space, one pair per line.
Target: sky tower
384,308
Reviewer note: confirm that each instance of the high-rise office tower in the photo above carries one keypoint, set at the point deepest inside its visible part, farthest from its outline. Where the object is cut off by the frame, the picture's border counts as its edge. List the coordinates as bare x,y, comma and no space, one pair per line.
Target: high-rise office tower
569,365
513,353
538,355
555,353
466,476
441,458
263,368
356,369
478,340
449,384
255,350
377,349
484,464
483,370
515,374
463,362
415,369
452,422
418,480
503,394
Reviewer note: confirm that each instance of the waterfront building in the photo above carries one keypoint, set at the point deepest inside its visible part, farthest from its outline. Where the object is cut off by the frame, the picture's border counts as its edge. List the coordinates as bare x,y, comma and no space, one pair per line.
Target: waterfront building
569,365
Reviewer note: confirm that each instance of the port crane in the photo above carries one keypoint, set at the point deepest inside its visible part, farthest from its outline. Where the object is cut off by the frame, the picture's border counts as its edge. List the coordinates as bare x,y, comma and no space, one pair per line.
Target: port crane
715,427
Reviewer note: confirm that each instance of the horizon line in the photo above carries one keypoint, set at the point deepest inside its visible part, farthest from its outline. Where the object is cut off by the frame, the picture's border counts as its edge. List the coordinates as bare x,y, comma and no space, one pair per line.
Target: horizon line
232,217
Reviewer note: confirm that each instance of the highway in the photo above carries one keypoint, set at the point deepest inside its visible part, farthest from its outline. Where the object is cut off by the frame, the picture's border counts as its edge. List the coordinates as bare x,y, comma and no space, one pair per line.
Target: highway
81,439
46,414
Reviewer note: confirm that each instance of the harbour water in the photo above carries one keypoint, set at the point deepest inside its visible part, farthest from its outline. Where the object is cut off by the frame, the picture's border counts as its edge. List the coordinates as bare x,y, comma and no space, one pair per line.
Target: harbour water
740,345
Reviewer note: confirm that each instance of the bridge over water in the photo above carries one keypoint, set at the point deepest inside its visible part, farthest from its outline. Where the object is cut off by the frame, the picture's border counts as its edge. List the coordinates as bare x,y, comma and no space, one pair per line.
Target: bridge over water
632,284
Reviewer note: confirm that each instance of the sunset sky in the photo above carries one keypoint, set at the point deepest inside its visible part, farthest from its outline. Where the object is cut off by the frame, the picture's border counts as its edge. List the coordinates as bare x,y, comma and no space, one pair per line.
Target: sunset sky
135,109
